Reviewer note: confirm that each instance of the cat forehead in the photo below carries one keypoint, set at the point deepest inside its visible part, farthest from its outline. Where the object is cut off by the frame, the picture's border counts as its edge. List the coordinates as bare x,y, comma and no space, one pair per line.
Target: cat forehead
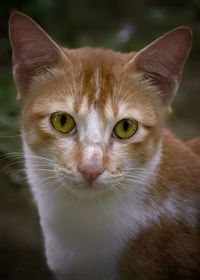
78,87
95,73
97,56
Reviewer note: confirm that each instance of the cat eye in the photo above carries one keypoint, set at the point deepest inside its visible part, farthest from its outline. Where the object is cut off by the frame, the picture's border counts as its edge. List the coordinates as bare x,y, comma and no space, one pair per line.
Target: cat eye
63,122
125,128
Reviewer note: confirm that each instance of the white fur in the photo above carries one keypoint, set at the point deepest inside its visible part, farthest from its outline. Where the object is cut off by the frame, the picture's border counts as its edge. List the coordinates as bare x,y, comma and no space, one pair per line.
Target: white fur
108,109
84,238
93,132
84,107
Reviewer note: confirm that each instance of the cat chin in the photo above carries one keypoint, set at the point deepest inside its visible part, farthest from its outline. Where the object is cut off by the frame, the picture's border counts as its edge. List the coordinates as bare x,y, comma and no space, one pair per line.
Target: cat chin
86,191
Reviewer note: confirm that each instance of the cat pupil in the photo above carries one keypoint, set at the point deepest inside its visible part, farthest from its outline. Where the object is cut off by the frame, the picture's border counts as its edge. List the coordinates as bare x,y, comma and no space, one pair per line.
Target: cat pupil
126,125
63,120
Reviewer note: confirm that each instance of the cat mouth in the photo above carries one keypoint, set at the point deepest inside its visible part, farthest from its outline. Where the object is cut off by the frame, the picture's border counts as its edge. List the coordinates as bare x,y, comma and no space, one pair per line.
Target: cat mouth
83,189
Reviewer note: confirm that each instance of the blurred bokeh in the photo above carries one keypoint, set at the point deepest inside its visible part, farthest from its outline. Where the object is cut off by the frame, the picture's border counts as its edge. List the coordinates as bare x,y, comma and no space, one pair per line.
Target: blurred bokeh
121,25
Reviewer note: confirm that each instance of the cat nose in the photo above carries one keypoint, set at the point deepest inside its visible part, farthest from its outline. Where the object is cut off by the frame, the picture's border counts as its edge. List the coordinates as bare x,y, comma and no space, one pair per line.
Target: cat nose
90,173
91,164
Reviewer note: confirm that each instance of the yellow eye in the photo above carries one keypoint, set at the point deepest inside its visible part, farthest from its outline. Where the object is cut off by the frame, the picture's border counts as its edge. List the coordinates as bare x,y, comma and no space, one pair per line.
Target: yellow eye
125,128
62,122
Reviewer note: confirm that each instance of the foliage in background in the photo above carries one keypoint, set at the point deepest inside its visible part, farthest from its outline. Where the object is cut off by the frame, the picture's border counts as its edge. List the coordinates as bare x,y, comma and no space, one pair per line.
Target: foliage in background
9,114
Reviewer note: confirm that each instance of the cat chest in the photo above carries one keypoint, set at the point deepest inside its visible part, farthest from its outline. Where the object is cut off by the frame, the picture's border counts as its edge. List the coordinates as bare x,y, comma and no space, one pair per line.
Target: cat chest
89,256
84,266
88,242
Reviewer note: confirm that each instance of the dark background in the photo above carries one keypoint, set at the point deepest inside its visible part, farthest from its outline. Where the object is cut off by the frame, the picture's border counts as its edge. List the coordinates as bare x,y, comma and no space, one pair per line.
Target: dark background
121,25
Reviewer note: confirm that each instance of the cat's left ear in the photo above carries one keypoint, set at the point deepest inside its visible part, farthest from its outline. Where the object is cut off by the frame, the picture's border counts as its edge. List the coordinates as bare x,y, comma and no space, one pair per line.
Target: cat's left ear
162,61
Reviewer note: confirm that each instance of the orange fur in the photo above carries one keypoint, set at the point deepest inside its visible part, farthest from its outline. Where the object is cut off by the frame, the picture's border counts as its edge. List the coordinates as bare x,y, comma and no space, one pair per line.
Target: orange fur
194,144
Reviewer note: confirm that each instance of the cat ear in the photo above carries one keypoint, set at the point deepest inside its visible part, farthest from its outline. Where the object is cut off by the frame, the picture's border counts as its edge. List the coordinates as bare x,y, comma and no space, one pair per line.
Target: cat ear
33,50
162,61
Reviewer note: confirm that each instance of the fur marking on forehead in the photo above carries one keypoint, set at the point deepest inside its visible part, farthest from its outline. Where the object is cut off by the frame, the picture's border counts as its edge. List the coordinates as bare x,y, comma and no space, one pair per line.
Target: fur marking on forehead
97,85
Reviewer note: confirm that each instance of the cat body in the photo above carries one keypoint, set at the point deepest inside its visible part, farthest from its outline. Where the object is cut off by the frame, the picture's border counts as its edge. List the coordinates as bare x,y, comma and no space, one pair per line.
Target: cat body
117,194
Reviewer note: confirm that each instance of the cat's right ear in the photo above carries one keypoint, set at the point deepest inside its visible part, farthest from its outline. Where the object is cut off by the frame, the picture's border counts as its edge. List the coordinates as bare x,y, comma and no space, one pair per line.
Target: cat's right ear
33,51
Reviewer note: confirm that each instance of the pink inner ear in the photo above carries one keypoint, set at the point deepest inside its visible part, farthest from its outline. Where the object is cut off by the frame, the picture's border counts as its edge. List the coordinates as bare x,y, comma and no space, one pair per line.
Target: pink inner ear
29,41
162,61
168,53
33,50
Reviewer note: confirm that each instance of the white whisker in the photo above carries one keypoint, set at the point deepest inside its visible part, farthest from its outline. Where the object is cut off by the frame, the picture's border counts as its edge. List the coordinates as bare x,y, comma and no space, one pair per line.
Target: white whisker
10,136
49,183
56,191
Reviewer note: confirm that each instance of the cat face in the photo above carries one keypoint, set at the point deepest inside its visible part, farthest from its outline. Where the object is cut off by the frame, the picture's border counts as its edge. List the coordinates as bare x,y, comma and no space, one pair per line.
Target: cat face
92,155
94,116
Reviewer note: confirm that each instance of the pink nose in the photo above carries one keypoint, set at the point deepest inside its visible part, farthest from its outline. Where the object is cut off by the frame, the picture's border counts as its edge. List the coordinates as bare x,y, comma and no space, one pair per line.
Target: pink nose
90,173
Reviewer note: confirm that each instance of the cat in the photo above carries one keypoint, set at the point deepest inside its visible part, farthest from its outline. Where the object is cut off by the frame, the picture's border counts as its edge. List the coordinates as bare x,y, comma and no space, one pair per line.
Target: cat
117,193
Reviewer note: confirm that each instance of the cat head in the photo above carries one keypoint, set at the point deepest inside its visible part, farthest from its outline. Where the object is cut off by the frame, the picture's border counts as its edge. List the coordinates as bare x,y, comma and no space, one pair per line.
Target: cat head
96,115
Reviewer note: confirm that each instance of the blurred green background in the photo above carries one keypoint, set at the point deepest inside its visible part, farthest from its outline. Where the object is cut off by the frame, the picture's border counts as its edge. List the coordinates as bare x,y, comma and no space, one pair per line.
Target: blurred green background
121,25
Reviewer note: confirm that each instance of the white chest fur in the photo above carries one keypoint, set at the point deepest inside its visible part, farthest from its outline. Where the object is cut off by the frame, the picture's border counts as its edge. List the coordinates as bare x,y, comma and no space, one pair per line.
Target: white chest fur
84,238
